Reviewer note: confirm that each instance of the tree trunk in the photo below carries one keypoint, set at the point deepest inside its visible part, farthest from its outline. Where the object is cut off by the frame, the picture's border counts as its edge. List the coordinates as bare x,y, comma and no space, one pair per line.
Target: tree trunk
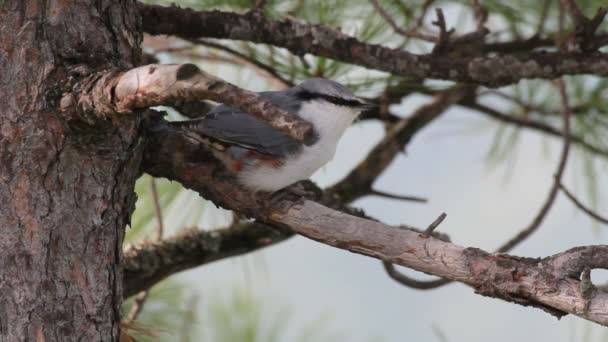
66,184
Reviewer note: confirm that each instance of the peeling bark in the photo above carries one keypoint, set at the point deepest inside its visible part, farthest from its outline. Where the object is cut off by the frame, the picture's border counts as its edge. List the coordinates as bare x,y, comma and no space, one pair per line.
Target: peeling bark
66,191
112,92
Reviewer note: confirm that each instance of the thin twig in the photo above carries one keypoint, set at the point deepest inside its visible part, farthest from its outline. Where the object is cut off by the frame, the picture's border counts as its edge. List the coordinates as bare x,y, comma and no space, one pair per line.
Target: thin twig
583,207
425,8
560,38
543,18
578,18
410,282
481,15
157,210
419,21
429,230
237,58
138,305
533,226
413,283
584,28
396,93
538,219
247,59
398,197
444,33
529,107
406,33
535,125
140,299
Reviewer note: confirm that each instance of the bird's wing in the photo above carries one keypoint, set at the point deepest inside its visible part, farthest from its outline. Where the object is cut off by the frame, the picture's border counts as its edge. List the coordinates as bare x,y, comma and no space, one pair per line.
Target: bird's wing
232,126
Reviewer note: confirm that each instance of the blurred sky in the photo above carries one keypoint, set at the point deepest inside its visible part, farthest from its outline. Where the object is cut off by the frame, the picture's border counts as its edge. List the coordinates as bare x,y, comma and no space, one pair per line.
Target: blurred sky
486,206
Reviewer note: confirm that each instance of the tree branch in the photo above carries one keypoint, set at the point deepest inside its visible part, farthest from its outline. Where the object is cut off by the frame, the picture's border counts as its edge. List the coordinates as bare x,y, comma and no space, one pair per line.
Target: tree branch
332,198
269,70
532,227
391,22
529,282
397,197
583,207
584,28
140,299
561,166
481,15
147,263
360,180
536,125
166,84
410,282
301,38
549,284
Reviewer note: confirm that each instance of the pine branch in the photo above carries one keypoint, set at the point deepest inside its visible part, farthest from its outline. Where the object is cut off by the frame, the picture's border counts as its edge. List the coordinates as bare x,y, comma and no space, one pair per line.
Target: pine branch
301,38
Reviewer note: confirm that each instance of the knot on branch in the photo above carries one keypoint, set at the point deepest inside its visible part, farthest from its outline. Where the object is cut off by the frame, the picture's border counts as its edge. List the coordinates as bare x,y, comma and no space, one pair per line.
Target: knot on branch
469,44
443,41
90,97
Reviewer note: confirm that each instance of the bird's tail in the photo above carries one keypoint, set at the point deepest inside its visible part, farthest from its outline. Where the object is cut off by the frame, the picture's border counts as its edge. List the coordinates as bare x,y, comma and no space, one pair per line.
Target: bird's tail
191,129
194,130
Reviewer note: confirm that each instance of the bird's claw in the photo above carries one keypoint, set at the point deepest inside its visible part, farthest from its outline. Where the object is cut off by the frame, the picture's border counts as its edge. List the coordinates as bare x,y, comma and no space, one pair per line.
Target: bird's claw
294,193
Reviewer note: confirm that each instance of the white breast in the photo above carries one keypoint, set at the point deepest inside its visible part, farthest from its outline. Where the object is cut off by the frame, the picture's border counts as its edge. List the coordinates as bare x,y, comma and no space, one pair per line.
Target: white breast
330,122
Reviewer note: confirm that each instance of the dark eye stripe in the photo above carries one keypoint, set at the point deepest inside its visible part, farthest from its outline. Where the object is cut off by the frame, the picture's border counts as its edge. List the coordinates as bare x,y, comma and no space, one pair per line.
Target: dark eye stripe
306,95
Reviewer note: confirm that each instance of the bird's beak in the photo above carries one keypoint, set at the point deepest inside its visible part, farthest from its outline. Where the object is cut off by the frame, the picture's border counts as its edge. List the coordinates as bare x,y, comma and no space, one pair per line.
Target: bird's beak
367,105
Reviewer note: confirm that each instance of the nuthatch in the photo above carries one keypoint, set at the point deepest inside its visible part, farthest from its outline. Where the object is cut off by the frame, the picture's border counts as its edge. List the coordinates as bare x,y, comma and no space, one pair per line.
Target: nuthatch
265,159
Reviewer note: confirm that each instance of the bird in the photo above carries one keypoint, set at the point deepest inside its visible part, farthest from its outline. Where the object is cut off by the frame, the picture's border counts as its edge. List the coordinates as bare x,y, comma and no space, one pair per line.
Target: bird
266,159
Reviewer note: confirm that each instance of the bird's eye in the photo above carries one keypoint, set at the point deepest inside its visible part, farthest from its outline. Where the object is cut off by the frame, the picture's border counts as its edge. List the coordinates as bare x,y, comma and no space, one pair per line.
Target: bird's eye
342,102
338,101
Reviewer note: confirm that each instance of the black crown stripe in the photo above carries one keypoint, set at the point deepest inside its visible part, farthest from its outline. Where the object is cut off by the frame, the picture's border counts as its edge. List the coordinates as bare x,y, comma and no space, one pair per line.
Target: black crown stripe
307,95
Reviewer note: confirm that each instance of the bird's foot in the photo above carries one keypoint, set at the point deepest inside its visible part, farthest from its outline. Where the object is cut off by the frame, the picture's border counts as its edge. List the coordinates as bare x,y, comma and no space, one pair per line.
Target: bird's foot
293,194
306,189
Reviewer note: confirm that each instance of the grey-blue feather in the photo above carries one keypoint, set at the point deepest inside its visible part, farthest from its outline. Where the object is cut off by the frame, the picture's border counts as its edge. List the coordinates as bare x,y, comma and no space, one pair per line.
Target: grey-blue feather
235,127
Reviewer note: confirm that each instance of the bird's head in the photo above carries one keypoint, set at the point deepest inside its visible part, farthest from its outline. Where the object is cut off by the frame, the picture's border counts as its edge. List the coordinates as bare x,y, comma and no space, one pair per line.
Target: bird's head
321,89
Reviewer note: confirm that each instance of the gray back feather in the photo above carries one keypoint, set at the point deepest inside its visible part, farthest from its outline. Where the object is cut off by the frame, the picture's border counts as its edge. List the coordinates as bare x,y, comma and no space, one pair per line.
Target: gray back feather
326,87
233,126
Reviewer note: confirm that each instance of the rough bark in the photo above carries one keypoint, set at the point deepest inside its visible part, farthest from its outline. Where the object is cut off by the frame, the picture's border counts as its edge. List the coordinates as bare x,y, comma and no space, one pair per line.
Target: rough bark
114,92
302,38
66,186
67,177
147,263
553,284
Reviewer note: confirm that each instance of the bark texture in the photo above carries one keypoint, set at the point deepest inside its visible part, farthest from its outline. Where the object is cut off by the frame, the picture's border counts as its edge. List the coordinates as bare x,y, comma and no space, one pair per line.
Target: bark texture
66,185
156,84
556,284
146,264
302,38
